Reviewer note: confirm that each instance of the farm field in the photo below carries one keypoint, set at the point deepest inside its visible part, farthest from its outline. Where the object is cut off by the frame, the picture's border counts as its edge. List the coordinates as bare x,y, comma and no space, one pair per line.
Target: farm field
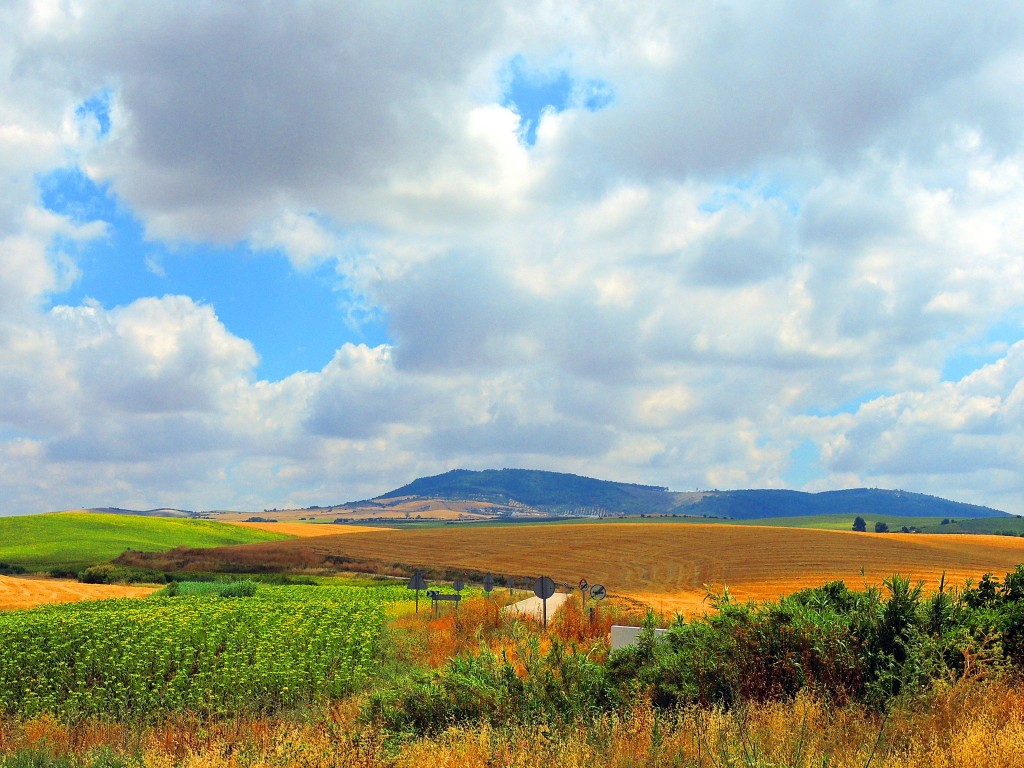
307,530
664,565
201,653
977,525
76,540
27,593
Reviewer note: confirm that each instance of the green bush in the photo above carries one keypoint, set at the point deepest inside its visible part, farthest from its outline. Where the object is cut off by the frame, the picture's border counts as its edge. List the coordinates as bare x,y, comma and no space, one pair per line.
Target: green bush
559,687
242,588
107,573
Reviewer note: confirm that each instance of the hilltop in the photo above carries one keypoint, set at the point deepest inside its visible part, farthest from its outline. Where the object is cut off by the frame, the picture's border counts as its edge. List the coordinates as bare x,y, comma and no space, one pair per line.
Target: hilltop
526,494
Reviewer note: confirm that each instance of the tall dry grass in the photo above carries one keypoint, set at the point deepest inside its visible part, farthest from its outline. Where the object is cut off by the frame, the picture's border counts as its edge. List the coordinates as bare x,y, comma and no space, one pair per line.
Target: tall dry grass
973,724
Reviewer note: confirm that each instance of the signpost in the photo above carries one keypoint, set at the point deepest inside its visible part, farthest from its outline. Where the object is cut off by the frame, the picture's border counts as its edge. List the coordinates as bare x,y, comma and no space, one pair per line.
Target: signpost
436,597
544,588
598,592
417,582
583,587
488,584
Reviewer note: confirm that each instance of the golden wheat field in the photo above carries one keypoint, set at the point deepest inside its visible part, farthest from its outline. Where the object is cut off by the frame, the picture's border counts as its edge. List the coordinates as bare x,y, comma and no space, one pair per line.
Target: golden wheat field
664,565
307,530
27,593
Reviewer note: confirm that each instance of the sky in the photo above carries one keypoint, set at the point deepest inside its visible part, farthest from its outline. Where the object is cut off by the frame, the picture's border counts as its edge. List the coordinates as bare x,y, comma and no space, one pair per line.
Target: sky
269,255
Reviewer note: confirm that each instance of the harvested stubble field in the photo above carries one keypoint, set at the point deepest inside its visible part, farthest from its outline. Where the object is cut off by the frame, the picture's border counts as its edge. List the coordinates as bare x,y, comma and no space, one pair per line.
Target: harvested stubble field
28,593
663,565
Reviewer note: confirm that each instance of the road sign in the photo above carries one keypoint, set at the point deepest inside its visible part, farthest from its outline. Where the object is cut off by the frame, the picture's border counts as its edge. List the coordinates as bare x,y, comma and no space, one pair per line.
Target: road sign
544,587
417,582
598,592
458,585
488,583
583,585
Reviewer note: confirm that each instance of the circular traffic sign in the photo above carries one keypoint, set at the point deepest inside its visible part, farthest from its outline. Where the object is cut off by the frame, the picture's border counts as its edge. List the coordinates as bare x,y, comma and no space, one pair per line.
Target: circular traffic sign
583,585
544,587
457,585
598,592
488,583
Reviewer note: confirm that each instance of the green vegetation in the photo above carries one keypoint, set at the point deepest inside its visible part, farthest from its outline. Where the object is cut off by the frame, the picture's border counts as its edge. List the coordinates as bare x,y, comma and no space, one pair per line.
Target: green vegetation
240,673
839,645
76,540
270,647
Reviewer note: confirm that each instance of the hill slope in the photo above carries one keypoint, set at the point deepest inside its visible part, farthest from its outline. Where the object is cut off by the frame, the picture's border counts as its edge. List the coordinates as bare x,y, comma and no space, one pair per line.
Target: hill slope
564,494
548,491
78,539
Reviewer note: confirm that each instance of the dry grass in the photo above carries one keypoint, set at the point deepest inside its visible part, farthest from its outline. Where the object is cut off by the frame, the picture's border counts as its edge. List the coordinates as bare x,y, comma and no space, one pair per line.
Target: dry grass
27,593
664,565
970,725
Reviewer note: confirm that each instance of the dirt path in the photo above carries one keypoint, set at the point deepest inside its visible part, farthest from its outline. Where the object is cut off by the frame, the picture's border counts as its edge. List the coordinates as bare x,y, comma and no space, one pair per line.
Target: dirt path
28,593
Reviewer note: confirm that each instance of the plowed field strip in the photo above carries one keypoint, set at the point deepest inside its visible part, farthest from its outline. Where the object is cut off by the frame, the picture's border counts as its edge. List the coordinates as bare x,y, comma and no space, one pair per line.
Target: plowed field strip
26,593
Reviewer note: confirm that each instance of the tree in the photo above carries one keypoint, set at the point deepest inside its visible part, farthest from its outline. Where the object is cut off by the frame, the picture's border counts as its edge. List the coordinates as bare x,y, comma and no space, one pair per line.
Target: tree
881,527
859,524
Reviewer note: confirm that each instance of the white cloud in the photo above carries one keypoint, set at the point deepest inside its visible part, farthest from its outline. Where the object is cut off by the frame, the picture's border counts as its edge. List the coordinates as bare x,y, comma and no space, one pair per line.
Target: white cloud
786,207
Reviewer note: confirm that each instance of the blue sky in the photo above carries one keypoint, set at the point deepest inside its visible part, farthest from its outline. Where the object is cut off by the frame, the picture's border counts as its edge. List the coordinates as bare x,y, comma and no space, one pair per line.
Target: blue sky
295,319
682,245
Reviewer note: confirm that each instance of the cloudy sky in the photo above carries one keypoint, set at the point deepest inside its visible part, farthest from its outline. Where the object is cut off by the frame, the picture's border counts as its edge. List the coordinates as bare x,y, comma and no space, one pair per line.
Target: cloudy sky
262,255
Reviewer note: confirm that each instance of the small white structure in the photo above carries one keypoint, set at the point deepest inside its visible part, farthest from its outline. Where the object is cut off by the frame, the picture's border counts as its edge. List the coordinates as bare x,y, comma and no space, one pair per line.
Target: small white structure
623,636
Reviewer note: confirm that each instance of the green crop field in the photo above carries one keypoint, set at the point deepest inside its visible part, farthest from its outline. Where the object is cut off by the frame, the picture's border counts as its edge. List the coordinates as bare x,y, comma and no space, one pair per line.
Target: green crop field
76,540
202,653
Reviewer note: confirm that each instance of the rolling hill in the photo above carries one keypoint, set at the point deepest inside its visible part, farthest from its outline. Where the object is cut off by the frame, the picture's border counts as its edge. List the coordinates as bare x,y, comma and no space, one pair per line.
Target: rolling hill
550,492
555,493
75,540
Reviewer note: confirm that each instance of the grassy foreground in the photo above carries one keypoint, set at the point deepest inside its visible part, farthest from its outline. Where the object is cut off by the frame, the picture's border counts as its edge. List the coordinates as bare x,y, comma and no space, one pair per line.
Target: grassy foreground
75,540
973,724
825,678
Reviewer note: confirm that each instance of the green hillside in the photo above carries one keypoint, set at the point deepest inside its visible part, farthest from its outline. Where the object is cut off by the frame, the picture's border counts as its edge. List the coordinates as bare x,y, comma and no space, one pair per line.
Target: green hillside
78,539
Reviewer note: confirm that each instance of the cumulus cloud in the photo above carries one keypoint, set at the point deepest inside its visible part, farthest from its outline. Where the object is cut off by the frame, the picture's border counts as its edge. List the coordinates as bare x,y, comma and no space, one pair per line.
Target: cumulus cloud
776,210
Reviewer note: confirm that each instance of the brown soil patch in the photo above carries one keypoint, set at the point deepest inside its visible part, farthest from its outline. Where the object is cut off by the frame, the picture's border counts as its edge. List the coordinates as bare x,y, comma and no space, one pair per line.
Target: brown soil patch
28,593
307,530
665,565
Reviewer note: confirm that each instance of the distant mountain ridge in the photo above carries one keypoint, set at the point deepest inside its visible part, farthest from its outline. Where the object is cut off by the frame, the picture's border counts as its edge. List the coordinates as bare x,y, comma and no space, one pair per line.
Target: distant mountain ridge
566,494
553,492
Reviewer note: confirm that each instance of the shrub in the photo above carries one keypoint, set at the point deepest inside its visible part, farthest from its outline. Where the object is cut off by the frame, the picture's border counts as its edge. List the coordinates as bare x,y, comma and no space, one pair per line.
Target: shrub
562,686
108,573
